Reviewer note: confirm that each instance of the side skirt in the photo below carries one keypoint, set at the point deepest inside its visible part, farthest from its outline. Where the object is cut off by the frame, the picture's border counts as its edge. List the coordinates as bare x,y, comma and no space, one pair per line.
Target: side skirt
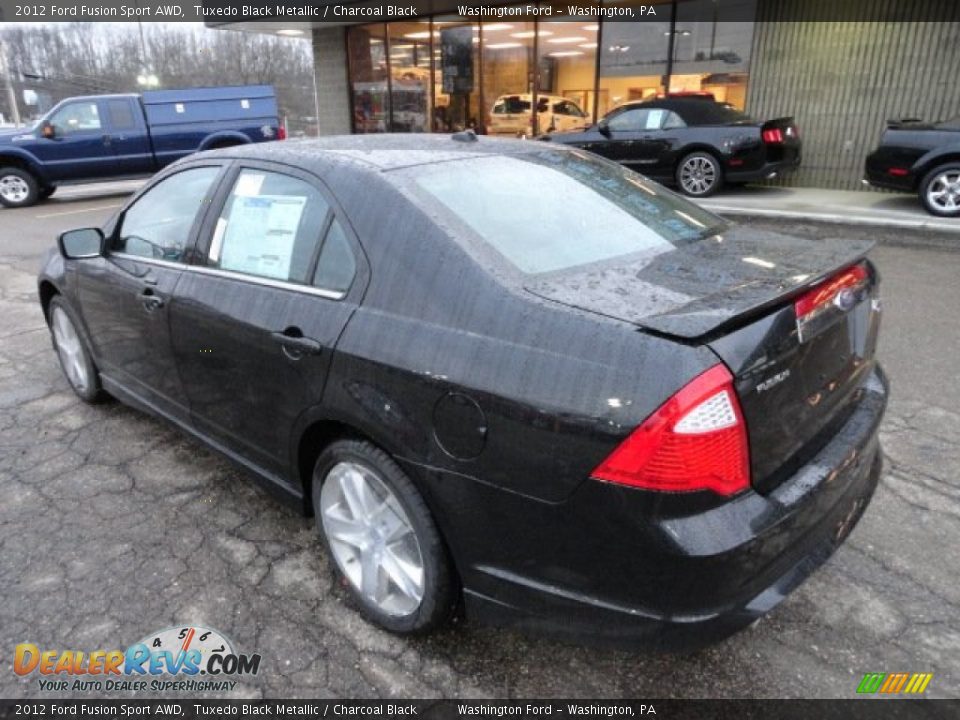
273,484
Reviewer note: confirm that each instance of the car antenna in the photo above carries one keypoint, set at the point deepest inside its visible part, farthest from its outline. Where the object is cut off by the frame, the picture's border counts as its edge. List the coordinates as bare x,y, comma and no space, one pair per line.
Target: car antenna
464,136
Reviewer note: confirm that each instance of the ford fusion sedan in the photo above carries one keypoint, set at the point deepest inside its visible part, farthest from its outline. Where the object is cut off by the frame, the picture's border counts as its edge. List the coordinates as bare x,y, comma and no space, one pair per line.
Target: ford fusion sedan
922,158
599,410
692,142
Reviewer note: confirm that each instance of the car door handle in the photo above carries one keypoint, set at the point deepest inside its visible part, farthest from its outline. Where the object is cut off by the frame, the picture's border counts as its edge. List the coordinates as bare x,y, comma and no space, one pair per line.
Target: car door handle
151,301
297,343
107,139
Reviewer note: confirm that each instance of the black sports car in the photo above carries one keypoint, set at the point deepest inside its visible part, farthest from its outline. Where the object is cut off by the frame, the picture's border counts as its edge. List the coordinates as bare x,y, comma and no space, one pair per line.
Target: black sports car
508,372
691,142
919,157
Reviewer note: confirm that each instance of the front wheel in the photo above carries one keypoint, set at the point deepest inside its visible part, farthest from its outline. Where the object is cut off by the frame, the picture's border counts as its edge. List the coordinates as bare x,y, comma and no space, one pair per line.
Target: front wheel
940,190
18,188
383,539
75,360
699,174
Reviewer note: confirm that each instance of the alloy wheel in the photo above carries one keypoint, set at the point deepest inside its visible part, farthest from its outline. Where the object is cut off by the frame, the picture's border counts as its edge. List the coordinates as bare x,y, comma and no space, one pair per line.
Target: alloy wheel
944,191
14,188
70,350
697,175
372,539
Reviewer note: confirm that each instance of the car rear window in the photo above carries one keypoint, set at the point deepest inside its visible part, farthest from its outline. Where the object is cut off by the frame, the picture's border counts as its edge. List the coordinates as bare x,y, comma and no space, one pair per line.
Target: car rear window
511,105
556,210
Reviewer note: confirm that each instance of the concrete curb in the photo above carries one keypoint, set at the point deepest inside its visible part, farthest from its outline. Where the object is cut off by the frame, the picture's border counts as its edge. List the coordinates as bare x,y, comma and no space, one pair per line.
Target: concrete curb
840,219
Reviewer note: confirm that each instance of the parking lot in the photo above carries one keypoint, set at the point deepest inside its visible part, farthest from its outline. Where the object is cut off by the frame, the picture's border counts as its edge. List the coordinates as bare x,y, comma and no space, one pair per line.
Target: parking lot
114,525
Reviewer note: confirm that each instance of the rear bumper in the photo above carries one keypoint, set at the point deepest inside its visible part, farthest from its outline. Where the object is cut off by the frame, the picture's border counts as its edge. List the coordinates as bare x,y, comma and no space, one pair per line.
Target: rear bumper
767,171
614,565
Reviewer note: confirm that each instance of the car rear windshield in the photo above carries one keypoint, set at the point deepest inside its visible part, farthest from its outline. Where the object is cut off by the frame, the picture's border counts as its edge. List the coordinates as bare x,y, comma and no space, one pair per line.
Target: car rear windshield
554,210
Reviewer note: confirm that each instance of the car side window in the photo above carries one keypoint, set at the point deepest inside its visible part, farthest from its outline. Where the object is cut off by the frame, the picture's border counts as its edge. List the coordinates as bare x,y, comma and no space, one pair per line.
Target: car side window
337,265
121,115
158,224
270,227
629,120
76,117
673,121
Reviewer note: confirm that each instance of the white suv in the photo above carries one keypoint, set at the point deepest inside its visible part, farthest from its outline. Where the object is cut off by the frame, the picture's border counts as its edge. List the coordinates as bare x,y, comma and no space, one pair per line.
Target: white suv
511,115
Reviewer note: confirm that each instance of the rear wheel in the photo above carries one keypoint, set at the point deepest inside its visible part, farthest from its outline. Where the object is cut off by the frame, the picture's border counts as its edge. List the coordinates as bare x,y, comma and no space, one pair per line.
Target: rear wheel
699,174
380,534
940,190
18,188
75,360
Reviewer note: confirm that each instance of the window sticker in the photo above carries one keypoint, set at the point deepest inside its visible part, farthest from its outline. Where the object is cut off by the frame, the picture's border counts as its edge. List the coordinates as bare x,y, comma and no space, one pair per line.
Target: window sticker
249,184
260,234
654,119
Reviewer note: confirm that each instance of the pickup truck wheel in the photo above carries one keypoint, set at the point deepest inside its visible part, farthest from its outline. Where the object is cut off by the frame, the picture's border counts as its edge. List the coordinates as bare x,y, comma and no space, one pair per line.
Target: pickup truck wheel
699,174
18,188
47,191
940,190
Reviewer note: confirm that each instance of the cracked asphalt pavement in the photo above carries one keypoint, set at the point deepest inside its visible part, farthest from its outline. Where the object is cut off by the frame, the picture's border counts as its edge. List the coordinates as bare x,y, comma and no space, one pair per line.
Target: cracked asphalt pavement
114,525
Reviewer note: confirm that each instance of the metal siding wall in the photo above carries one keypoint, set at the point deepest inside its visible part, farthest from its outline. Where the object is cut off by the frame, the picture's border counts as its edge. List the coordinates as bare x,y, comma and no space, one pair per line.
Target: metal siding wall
842,80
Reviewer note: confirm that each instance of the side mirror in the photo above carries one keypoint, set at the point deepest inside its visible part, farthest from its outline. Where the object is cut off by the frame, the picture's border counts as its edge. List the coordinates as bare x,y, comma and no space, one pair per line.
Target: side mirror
603,127
48,131
79,244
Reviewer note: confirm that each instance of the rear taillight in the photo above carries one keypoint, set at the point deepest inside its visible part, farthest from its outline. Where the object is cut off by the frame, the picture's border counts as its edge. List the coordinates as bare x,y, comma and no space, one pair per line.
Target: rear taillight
281,133
696,440
772,136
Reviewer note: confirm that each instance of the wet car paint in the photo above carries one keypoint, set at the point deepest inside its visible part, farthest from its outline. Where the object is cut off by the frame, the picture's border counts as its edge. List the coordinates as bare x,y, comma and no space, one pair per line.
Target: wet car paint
553,389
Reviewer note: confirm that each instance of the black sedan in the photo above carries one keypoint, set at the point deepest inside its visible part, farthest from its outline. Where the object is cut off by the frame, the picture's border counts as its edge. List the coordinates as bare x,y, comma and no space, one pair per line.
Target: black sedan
691,142
507,374
922,158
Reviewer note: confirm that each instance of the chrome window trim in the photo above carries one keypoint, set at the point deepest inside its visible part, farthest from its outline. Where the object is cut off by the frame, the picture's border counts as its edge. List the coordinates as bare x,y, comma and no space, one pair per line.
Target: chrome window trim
231,275
268,282
148,260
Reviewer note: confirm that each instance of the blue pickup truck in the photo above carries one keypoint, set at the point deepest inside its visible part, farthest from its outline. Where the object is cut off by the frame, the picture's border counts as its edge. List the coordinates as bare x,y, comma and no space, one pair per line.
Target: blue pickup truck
111,137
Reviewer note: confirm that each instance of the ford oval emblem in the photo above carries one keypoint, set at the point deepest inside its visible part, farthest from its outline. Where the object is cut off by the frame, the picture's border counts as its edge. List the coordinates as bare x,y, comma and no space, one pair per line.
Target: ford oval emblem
845,299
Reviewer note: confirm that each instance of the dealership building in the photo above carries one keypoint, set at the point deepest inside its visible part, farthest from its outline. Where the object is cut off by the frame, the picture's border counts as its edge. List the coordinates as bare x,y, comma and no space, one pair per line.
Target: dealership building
841,68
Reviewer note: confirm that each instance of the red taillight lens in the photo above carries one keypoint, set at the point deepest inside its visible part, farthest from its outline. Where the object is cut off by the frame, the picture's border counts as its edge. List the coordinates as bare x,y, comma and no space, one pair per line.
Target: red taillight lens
281,133
696,440
898,171
825,293
772,136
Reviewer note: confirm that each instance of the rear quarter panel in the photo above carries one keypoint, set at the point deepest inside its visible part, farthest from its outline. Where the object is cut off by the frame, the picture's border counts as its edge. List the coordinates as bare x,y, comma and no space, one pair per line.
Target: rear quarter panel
551,390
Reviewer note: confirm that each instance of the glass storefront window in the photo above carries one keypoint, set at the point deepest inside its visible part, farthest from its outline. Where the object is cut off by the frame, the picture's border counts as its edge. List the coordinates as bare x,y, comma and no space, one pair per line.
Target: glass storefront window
456,58
712,47
410,92
448,74
367,57
633,58
566,74
507,53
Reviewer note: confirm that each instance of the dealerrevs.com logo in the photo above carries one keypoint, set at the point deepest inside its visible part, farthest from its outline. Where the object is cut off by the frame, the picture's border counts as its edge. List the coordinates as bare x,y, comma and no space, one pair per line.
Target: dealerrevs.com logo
188,659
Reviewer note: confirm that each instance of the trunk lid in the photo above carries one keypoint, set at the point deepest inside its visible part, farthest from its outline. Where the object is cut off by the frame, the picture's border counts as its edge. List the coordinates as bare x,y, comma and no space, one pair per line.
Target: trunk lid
735,293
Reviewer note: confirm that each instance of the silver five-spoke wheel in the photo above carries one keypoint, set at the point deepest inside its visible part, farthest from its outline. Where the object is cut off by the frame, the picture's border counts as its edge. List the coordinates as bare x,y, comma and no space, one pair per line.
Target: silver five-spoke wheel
698,175
70,350
944,191
14,189
372,539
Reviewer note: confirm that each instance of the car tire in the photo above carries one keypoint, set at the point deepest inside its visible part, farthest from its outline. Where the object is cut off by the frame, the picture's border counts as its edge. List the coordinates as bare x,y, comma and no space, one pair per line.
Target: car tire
382,539
75,360
47,191
18,188
940,190
699,174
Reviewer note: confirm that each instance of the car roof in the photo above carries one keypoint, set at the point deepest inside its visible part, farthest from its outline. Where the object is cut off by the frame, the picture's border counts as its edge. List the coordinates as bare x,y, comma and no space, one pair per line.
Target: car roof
528,96
693,110
381,151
